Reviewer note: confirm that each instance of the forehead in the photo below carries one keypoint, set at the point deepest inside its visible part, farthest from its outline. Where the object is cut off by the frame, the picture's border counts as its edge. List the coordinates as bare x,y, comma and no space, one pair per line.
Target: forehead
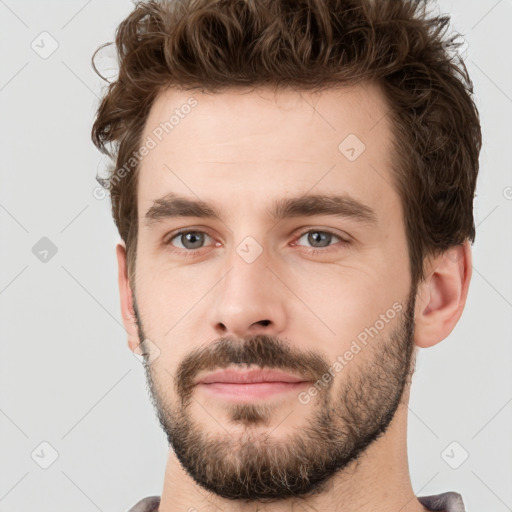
239,145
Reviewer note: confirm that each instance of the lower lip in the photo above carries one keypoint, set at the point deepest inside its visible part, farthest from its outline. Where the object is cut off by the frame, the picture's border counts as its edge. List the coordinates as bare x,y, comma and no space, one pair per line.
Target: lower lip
255,390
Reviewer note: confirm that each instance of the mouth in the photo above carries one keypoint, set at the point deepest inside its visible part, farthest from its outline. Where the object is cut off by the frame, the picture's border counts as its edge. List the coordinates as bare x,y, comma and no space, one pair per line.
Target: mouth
256,376
243,385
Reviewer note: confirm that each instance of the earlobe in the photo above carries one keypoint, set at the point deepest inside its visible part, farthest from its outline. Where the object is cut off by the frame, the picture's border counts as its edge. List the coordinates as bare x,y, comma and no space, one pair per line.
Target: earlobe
441,297
126,297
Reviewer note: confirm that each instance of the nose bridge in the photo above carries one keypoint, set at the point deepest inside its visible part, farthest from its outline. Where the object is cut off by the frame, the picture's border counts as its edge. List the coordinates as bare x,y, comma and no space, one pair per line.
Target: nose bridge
248,298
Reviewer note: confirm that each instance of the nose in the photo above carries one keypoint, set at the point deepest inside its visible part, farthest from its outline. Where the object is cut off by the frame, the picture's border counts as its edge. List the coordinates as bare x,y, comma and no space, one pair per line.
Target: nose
249,300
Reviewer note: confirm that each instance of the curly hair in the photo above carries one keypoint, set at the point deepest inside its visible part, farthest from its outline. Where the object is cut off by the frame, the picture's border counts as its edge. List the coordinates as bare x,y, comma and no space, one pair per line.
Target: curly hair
212,45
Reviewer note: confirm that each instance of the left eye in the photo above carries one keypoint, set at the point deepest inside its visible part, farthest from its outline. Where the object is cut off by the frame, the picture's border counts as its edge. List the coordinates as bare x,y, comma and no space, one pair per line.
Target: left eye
318,238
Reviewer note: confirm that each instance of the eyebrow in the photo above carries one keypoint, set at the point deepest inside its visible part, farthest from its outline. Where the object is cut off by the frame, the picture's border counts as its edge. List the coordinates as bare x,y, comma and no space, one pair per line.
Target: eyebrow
343,206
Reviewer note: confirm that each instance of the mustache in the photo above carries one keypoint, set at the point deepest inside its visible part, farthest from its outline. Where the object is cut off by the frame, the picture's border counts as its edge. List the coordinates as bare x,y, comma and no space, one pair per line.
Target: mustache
259,350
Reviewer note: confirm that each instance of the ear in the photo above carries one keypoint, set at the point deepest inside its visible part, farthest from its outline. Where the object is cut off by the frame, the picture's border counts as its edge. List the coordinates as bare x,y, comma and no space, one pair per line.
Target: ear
126,296
441,297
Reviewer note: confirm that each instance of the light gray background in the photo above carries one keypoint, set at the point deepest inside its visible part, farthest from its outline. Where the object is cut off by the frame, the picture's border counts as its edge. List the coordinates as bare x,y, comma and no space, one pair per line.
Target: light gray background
67,376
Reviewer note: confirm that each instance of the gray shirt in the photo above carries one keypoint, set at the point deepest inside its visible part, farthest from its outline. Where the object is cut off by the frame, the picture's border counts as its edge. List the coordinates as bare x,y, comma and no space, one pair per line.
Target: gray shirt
445,502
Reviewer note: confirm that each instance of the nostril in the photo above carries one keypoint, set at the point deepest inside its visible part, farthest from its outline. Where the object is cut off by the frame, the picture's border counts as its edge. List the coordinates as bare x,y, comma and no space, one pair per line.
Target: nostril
264,322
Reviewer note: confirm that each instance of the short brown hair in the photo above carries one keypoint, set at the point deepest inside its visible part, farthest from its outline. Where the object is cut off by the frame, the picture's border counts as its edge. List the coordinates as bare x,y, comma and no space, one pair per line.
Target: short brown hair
311,45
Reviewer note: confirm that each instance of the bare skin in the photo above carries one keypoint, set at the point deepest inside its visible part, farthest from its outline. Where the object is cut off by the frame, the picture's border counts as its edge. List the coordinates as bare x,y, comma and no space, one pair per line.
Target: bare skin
239,151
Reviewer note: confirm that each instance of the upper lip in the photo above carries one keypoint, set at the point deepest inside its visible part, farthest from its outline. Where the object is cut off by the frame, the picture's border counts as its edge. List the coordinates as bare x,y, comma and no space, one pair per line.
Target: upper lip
248,376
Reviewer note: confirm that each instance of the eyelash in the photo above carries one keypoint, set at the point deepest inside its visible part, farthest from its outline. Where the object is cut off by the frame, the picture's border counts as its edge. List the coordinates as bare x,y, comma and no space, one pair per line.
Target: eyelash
311,251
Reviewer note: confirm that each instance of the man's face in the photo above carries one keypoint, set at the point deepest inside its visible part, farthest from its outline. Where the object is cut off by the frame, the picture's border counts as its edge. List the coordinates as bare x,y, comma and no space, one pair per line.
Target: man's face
318,289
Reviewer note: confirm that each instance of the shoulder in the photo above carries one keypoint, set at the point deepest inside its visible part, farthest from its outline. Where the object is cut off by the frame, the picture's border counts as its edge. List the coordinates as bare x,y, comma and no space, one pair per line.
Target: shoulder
149,504
446,502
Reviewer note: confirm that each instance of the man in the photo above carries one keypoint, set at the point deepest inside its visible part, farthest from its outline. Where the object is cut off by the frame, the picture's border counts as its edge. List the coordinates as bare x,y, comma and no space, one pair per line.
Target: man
293,184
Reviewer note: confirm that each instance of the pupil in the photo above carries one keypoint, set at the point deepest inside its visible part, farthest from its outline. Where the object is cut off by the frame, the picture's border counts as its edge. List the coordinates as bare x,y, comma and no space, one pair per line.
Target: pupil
316,236
190,239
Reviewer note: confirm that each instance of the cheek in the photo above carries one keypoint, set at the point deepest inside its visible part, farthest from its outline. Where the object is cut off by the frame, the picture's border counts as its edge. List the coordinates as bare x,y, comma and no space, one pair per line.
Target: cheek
338,303
167,286
343,297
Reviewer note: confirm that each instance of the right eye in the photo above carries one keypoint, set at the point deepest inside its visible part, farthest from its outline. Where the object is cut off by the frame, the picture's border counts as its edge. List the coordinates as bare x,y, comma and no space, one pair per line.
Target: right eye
187,240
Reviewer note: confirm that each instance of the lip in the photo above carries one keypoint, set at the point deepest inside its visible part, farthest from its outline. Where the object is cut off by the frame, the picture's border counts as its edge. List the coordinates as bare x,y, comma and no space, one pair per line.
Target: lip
249,377
243,392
